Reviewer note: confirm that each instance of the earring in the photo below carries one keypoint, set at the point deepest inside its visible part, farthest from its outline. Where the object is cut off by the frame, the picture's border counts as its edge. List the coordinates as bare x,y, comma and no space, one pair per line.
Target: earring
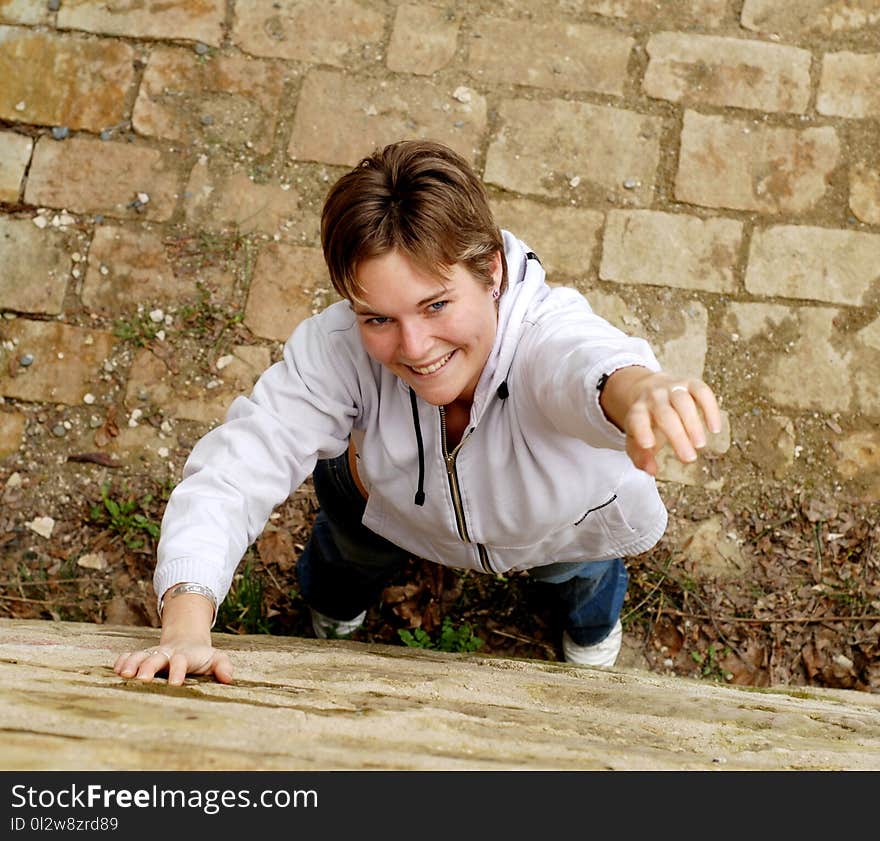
496,294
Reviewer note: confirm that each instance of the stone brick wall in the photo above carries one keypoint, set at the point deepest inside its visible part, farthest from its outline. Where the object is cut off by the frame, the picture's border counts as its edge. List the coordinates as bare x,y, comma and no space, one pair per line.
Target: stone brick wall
707,172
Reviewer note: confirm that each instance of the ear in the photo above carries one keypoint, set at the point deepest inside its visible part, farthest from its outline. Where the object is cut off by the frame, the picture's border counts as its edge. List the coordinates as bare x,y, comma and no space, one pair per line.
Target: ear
497,271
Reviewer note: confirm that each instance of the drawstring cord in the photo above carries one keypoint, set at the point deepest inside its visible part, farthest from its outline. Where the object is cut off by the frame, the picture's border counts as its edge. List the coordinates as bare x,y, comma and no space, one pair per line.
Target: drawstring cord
420,493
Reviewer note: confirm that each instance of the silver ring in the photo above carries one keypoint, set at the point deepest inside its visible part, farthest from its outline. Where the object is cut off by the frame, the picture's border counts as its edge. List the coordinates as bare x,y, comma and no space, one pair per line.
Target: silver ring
678,388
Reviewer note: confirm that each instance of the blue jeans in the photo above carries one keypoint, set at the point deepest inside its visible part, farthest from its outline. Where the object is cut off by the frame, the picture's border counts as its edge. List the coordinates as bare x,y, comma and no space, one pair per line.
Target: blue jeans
345,566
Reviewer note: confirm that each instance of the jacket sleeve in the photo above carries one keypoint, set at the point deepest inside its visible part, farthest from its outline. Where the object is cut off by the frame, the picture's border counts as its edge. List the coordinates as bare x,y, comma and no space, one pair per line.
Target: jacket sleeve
301,409
563,357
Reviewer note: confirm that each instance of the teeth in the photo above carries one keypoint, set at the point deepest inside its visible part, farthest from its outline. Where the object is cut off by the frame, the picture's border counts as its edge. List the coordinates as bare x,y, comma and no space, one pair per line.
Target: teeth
431,368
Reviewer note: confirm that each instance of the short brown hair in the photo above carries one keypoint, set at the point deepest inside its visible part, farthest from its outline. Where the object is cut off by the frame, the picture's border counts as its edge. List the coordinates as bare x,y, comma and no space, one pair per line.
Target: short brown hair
417,197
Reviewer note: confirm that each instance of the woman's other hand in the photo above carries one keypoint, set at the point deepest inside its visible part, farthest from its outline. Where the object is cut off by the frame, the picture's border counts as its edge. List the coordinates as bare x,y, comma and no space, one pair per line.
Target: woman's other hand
657,408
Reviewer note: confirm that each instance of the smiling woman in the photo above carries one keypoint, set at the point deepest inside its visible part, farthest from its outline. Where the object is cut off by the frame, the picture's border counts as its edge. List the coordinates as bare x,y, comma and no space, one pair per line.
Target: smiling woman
500,426
434,332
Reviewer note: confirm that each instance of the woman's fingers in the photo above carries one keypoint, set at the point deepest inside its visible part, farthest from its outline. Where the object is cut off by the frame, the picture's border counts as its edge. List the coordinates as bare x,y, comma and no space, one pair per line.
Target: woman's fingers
673,412
198,660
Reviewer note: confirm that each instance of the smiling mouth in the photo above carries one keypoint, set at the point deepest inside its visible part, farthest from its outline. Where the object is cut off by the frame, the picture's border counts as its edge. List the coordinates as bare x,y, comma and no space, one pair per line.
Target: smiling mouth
434,366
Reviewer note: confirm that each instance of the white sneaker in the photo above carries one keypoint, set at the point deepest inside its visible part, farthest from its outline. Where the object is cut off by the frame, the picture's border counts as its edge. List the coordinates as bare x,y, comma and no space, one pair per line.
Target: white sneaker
602,653
327,628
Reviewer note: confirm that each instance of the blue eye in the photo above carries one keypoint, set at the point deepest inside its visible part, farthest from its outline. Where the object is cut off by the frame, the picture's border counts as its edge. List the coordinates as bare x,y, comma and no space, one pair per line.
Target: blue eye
377,320
437,306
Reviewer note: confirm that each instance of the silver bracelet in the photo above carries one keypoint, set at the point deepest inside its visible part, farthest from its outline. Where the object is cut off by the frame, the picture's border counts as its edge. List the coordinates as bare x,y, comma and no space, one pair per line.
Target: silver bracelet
190,587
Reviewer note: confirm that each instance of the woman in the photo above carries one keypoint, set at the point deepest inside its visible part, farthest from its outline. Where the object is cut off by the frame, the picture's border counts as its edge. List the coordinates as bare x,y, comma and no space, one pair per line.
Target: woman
452,407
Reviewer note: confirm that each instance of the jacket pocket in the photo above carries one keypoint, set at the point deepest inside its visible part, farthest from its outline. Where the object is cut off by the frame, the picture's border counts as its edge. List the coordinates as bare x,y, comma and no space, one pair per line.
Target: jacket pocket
594,509
609,520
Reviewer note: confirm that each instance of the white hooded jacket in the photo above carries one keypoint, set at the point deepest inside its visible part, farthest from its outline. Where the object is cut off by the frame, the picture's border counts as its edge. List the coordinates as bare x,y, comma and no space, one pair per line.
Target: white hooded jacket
540,475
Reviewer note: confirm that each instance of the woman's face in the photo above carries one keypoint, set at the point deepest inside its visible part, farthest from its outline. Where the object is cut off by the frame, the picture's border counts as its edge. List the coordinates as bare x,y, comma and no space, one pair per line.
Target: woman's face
435,333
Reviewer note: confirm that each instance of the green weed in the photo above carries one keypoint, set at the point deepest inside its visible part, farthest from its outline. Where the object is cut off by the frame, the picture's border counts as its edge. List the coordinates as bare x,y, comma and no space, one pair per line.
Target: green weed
139,329
709,664
461,639
243,611
127,516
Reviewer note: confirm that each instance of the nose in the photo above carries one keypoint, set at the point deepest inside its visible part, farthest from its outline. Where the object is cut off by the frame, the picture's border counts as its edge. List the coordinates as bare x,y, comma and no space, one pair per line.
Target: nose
415,340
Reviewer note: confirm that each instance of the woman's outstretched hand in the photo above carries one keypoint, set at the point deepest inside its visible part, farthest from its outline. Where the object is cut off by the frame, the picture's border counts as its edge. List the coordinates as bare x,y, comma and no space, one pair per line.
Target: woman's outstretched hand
184,647
657,408
178,659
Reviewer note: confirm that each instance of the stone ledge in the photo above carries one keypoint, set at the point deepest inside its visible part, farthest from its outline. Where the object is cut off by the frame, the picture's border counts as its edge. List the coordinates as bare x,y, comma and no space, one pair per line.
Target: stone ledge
303,704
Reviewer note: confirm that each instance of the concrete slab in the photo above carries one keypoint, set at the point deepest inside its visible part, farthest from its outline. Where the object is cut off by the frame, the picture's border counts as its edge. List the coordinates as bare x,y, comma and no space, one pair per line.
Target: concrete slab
303,704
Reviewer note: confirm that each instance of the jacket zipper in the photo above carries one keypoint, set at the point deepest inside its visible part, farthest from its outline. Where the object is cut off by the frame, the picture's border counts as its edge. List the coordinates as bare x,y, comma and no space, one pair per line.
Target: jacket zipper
452,476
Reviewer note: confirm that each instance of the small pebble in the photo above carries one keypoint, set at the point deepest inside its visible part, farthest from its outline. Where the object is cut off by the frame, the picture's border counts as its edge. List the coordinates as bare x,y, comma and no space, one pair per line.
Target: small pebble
89,398
58,430
631,183
95,422
106,134
26,360
60,132
207,120
202,49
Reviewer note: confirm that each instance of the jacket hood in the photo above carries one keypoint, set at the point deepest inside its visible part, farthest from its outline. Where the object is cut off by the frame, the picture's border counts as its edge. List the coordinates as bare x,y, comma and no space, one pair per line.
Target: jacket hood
525,285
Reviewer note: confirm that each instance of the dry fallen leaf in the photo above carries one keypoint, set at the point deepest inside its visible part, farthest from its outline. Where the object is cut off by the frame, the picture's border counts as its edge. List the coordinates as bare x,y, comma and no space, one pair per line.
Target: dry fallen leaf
93,560
43,526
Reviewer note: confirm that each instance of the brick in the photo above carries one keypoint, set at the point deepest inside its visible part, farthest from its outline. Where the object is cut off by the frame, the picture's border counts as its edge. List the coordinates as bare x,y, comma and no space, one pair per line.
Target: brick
703,13
368,114
67,361
335,32
675,331
36,267
290,283
713,550
698,473
24,11
744,165
201,20
783,343
226,100
850,85
12,426
864,192
193,399
767,440
818,264
731,72
795,19
139,446
423,41
72,81
15,152
539,148
232,201
865,367
678,335
87,175
129,269
858,458
567,56
670,249
564,238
